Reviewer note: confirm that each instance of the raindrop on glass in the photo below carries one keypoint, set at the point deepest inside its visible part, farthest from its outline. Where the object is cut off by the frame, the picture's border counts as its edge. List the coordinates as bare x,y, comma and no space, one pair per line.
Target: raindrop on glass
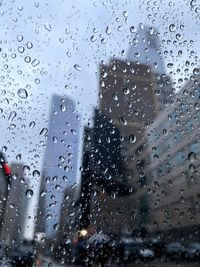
12,115
133,29
193,3
132,138
29,45
27,59
20,38
21,49
19,157
29,193
172,28
192,157
32,124
43,132
36,173
35,62
22,93
47,26
108,30
77,67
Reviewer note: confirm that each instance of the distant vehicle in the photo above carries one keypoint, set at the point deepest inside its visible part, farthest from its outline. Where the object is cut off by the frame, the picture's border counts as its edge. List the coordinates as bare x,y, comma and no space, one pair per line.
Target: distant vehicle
22,255
22,258
146,253
96,248
129,247
6,263
192,251
62,251
175,250
157,245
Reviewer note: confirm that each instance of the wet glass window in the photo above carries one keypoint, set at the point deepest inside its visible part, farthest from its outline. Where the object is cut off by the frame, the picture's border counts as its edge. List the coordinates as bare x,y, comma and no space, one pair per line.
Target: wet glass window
100,119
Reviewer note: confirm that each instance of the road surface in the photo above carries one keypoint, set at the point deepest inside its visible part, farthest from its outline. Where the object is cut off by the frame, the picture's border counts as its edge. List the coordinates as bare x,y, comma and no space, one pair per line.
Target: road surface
157,263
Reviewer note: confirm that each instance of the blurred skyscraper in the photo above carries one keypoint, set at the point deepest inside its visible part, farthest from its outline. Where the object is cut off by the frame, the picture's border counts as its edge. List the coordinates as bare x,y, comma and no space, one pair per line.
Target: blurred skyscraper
172,190
146,49
132,94
61,160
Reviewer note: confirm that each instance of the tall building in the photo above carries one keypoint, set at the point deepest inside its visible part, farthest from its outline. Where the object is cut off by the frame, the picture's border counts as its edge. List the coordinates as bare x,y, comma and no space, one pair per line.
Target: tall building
146,49
61,160
132,93
172,189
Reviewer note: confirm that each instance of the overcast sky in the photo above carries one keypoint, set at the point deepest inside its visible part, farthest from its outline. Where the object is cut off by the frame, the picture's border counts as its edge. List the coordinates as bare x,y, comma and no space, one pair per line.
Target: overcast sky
56,36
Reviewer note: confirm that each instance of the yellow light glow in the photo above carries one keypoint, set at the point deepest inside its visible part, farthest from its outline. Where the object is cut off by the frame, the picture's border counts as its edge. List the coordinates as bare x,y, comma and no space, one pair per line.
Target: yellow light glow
83,232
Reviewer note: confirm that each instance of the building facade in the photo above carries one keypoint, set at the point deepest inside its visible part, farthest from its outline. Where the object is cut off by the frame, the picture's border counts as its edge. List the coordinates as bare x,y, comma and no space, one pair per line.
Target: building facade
61,160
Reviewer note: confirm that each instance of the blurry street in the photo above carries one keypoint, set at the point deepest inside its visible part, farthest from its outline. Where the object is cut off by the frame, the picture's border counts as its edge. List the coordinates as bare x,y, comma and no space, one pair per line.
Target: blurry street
161,264
157,263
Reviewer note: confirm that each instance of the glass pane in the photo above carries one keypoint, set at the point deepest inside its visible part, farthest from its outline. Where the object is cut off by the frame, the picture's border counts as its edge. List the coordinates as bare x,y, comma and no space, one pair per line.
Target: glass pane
99,107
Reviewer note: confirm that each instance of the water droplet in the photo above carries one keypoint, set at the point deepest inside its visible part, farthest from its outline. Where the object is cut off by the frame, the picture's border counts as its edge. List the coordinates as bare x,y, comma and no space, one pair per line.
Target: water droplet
12,115
170,65
77,67
126,91
67,31
13,55
4,149
36,173
114,97
19,157
93,38
27,59
36,4
47,26
29,193
157,92
48,217
61,40
43,132
108,30
192,157
56,226
37,81
35,62
55,139
133,29
172,28
63,108
22,93
193,3
73,131
29,45
43,193
164,131
196,71
20,8
21,49
26,168
132,138
125,14
192,168
123,121
32,124
20,38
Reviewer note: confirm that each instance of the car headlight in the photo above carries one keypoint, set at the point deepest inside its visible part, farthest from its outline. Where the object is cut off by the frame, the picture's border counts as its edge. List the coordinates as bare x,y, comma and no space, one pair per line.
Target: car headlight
82,233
